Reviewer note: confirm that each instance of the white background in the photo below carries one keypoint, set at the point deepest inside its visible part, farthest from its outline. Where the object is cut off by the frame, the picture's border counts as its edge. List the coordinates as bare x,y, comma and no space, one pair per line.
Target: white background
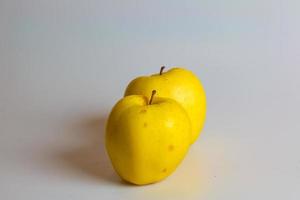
64,64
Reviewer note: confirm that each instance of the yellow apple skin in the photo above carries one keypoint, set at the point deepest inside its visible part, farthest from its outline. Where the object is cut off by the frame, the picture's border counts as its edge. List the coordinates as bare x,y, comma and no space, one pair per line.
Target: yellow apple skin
178,84
147,142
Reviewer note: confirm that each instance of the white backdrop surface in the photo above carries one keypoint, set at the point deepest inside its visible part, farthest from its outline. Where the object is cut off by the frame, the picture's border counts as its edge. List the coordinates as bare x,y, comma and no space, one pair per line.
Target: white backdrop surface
63,65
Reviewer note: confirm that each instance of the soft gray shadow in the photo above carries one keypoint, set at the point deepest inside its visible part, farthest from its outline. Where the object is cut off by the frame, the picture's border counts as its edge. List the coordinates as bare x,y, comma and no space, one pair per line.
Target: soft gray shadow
88,159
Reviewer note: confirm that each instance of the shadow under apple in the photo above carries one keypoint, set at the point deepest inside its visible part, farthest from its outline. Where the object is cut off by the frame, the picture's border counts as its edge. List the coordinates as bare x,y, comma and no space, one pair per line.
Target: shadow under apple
88,159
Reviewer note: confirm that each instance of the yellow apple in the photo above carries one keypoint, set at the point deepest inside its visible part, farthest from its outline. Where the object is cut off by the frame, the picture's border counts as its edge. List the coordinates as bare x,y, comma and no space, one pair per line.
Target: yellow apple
147,139
178,84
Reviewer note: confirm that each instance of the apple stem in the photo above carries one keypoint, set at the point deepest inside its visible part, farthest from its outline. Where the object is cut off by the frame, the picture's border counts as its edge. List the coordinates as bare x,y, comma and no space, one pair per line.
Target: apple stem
161,70
152,95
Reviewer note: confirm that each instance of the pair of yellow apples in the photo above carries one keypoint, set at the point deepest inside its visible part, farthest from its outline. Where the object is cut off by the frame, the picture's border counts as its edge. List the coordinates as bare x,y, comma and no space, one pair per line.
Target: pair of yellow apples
150,130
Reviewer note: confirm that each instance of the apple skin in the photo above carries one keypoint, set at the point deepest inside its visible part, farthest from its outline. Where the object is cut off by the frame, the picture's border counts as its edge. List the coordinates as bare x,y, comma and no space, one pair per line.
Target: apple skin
178,84
147,142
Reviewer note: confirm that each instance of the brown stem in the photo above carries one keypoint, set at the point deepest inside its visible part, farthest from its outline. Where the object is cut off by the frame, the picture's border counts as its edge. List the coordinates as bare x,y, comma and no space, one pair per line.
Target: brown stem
161,70
152,95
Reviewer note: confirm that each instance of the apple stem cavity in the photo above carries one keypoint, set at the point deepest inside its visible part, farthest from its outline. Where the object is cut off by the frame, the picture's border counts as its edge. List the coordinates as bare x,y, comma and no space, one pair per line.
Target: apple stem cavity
161,70
152,95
